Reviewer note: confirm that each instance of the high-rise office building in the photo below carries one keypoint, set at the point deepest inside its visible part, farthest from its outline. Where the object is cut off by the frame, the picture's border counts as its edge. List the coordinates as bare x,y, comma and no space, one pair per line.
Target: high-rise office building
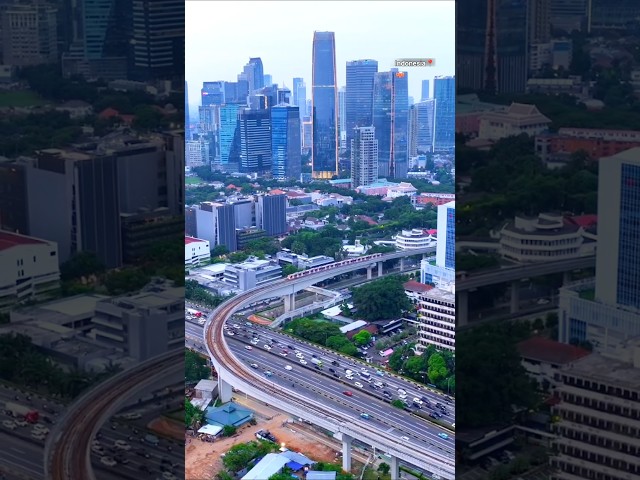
284,96
570,15
229,129
539,21
391,122
492,45
29,34
216,222
307,134
444,92
255,74
324,109
364,157
300,96
426,93
342,120
286,160
271,214
422,127
606,15
297,83
209,118
158,39
255,141
442,272
212,93
359,95
268,80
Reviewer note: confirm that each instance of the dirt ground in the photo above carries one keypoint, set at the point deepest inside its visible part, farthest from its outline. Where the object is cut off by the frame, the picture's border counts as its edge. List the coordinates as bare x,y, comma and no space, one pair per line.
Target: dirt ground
167,427
203,459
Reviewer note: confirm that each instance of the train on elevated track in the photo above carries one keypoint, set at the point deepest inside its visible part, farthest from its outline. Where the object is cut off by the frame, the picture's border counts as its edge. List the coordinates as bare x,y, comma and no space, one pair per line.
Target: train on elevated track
331,266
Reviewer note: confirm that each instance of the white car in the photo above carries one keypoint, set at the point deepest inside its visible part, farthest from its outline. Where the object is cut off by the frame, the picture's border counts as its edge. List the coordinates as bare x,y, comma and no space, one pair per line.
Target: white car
38,435
235,325
358,384
406,439
21,423
401,392
169,476
248,347
230,333
97,449
288,367
255,341
122,445
40,429
417,400
9,424
267,347
108,461
303,361
299,355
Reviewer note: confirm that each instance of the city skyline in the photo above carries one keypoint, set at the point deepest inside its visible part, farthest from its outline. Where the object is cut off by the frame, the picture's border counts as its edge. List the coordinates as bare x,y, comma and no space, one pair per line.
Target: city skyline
354,41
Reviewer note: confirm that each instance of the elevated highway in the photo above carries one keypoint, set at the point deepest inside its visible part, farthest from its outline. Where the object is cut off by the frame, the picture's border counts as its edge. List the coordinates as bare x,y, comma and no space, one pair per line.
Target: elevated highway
512,275
68,447
232,371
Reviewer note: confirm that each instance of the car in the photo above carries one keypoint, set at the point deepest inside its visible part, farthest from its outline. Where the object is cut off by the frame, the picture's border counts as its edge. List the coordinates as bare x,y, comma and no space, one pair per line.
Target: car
299,355
98,450
169,476
443,436
108,461
453,424
289,347
433,415
122,445
303,361
254,365
402,392
235,325
347,393
255,341
268,373
334,362
9,424
267,347
314,355
230,333
21,423
406,439
248,347
380,373
336,375
288,367
358,384
386,394
417,400
542,301
332,370
365,416
284,354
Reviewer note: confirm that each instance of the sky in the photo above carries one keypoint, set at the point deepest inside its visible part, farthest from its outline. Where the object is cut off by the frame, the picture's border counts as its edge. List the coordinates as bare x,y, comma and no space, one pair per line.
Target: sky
222,35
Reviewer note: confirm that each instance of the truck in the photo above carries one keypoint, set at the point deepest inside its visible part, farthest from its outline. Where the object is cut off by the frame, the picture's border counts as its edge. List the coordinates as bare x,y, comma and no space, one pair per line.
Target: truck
317,362
22,412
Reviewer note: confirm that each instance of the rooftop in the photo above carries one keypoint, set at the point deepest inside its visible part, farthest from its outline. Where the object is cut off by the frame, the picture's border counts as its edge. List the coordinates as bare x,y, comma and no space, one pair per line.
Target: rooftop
606,370
549,351
413,286
188,240
10,240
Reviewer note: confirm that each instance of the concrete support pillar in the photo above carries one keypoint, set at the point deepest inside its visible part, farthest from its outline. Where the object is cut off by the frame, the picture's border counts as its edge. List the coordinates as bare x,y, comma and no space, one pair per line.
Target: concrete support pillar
515,296
346,452
369,273
379,269
395,468
225,390
566,278
289,302
462,308
402,264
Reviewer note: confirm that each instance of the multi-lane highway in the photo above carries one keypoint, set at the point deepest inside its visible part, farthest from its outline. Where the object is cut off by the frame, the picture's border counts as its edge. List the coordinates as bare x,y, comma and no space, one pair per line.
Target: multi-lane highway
235,371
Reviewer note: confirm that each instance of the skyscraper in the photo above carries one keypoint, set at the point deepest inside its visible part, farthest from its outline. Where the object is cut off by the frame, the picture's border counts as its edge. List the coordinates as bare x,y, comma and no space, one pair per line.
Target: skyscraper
212,93
443,272
425,90
359,95
297,83
619,222
271,214
364,157
268,80
286,160
29,34
255,74
324,156
423,125
255,141
342,120
391,122
444,92
492,45
187,123
228,129
158,39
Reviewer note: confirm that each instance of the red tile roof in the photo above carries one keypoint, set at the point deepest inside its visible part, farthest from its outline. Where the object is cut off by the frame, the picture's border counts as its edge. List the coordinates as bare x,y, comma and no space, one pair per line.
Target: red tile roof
296,194
546,350
188,240
414,286
584,221
277,192
10,240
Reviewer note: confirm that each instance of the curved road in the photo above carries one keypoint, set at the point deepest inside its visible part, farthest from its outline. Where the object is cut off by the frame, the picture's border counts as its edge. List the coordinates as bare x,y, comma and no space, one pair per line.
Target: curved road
224,358
68,449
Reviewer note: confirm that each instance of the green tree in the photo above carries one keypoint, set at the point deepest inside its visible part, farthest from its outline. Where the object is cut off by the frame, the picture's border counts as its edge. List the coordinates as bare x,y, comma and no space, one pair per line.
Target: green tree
195,367
437,368
125,280
192,416
381,299
238,257
219,250
349,349
362,338
289,270
229,430
81,264
384,468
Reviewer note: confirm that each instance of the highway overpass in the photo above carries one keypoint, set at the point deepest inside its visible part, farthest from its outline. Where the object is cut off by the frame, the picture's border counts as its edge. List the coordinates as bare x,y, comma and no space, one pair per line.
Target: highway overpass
512,275
232,371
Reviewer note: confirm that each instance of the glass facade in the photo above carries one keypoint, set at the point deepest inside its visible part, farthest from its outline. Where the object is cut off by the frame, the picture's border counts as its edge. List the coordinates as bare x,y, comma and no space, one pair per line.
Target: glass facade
255,141
391,121
445,120
228,127
286,160
359,95
450,253
628,284
324,155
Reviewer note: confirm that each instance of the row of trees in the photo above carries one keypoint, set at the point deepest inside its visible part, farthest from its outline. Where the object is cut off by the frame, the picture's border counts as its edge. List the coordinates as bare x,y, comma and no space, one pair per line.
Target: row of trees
433,366
194,292
322,332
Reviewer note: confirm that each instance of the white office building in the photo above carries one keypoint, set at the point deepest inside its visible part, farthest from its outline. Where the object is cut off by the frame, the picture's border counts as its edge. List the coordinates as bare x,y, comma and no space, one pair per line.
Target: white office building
413,239
196,252
251,273
436,319
442,271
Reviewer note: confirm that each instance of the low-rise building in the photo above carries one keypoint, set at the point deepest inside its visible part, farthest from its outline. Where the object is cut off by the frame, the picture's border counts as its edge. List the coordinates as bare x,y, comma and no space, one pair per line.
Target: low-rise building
435,198
403,189
541,239
413,239
436,320
303,261
251,273
517,119
196,251
29,269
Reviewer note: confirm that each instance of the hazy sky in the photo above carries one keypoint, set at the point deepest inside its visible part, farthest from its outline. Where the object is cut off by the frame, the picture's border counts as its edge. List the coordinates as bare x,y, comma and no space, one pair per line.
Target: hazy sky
222,35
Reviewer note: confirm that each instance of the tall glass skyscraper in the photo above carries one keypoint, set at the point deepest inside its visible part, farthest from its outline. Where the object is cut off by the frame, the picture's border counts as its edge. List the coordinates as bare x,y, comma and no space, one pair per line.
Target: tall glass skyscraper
324,106
425,90
444,92
444,270
364,157
212,93
286,160
391,122
228,127
423,123
255,141
255,74
300,96
359,95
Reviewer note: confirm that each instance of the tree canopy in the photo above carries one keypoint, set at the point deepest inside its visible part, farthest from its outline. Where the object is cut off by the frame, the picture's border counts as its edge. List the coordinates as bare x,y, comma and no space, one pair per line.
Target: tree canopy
381,299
